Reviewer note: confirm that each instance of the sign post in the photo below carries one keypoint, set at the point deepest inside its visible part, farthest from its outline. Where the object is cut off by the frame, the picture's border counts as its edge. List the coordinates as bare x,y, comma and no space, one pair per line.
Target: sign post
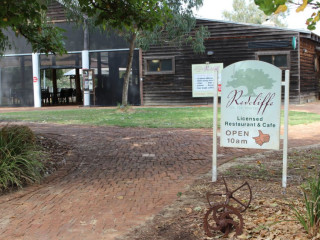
36,79
215,130
88,81
206,82
251,108
285,132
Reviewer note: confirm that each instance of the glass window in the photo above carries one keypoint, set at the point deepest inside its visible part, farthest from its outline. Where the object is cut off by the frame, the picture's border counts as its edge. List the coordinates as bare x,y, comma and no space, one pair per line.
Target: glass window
279,60
153,65
266,58
161,65
166,65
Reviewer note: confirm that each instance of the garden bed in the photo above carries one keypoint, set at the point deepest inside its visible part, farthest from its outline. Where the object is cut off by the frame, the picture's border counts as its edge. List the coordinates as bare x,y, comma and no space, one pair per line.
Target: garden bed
270,215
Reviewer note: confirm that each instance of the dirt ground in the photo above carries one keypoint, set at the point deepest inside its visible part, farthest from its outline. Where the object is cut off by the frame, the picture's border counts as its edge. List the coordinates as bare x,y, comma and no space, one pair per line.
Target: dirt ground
269,215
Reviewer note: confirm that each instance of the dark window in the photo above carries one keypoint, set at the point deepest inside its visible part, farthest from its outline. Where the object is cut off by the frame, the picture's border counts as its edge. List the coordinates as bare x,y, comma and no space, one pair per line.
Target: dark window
266,58
160,65
278,59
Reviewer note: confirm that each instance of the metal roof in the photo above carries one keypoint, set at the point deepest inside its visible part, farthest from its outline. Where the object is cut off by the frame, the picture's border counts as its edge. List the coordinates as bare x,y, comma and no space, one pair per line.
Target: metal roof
306,33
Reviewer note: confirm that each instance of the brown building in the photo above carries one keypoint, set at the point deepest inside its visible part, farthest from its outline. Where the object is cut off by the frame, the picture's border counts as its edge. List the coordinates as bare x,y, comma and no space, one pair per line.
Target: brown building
167,70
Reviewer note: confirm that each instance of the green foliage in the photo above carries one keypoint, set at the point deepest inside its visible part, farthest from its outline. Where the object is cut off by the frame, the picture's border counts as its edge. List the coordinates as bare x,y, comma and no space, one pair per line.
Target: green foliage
250,13
129,15
177,30
27,18
279,6
310,218
251,79
143,23
20,161
269,6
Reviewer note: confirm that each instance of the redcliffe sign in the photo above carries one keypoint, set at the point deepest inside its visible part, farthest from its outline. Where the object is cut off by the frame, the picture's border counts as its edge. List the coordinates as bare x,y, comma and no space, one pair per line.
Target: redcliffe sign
251,105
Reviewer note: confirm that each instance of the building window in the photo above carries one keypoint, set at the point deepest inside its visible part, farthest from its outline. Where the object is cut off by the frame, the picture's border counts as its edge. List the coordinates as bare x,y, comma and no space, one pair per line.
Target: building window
280,59
159,65
316,63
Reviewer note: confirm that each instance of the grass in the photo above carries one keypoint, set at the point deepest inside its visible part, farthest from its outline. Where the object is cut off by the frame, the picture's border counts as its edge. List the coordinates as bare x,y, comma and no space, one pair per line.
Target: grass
296,118
258,171
187,117
20,158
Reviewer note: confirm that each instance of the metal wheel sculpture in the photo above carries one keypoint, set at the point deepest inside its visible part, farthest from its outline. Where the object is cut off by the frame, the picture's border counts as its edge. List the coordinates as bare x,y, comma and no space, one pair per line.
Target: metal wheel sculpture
224,217
231,197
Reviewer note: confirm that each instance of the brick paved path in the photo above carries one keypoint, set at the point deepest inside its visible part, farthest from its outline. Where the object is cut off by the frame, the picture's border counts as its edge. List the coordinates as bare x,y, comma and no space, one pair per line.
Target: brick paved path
118,178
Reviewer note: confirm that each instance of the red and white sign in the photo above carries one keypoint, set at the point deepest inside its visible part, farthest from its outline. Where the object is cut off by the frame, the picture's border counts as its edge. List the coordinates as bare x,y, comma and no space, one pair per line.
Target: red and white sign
35,79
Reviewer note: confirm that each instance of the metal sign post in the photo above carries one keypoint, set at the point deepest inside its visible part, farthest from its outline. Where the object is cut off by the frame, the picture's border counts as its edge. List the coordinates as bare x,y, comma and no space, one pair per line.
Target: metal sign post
285,132
36,79
85,65
215,129
251,109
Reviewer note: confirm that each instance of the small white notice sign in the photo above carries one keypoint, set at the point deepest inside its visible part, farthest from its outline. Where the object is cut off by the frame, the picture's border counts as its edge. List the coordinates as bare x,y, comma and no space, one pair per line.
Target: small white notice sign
251,105
204,77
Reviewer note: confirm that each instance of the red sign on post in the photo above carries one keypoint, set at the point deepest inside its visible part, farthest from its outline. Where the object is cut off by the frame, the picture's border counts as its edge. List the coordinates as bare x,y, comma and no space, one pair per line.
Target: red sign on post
35,79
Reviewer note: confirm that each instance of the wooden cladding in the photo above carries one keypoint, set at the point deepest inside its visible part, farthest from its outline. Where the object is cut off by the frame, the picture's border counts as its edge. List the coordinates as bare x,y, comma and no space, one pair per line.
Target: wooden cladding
230,43
309,76
56,12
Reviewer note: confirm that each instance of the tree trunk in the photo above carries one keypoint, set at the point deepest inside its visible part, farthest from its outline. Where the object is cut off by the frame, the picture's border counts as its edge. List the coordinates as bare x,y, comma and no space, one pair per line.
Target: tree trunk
54,86
128,70
78,87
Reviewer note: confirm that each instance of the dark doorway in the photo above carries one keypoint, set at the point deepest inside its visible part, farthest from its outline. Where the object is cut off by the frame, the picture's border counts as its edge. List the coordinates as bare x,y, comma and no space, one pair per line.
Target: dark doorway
60,86
109,74
109,70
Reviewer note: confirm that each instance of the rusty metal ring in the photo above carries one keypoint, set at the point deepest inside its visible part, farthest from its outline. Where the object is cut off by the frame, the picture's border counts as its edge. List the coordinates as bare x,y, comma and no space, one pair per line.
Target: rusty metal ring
224,221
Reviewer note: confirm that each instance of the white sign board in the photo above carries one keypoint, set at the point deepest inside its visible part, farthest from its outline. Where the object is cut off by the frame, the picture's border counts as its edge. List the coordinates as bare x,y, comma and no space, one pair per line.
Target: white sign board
204,77
251,105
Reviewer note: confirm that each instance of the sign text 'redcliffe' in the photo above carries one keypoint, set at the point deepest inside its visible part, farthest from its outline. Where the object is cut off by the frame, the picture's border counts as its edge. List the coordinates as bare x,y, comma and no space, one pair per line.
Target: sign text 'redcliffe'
250,105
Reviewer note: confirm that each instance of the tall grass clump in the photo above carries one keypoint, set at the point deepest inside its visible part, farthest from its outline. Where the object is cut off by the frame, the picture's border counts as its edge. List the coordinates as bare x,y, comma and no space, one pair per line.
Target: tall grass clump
20,157
310,217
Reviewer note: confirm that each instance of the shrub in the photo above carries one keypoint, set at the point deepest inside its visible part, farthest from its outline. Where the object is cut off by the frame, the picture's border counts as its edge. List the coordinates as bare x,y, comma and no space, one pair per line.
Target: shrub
20,157
310,218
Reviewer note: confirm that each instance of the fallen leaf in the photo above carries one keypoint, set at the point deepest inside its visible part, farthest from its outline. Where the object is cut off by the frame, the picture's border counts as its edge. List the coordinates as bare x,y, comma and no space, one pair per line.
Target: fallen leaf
188,210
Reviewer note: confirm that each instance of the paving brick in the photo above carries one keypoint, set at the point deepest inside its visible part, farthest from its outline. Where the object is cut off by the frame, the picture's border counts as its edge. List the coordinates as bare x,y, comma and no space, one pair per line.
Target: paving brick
118,179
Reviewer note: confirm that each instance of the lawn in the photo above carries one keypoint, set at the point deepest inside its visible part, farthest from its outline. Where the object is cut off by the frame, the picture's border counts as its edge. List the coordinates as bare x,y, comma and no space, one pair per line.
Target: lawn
186,117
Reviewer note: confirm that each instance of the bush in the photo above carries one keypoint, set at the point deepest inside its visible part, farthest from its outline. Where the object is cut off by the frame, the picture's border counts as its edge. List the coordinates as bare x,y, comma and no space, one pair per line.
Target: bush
20,157
310,218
